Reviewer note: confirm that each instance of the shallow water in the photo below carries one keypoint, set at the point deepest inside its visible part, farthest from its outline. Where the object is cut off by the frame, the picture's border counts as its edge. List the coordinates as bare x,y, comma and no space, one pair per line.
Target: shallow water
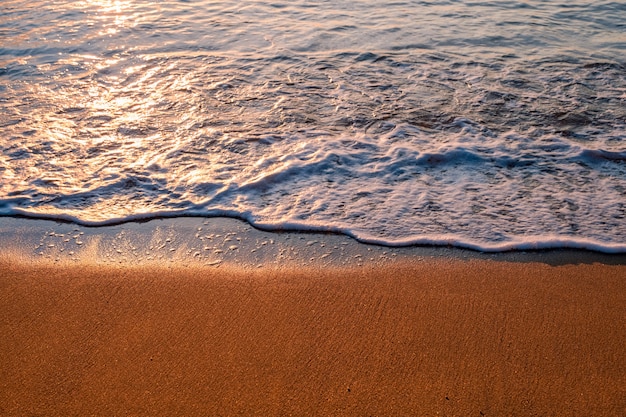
488,125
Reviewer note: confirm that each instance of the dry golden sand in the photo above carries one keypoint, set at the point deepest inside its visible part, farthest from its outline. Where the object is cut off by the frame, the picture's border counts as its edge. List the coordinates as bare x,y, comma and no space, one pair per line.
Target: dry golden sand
431,337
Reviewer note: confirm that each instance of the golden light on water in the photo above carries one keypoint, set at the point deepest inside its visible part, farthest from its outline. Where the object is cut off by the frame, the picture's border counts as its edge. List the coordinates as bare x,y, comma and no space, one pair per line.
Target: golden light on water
117,107
115,14
101,100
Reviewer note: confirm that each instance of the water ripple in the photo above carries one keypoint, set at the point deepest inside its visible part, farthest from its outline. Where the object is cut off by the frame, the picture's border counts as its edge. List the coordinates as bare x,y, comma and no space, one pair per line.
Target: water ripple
473,122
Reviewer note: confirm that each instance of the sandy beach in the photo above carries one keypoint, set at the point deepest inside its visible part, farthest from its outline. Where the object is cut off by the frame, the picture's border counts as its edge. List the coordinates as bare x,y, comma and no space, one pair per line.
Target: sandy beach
312,208
414,335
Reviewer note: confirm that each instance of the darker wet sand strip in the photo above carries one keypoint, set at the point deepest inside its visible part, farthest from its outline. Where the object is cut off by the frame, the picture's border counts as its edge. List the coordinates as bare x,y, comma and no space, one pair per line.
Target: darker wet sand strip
434,337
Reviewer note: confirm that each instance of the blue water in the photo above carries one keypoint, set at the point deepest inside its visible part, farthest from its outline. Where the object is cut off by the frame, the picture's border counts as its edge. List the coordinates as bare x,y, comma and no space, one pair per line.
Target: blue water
487,125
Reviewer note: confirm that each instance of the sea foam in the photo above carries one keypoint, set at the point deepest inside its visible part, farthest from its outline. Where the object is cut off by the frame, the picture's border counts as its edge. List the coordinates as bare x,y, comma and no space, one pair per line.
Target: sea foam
385,123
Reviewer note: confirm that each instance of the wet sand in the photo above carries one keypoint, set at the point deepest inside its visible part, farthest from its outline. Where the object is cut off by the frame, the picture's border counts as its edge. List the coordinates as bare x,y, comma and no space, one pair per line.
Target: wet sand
412,336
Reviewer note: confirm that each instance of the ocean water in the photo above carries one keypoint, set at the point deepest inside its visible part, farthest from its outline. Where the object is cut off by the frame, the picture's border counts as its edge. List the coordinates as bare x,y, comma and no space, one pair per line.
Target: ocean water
487,125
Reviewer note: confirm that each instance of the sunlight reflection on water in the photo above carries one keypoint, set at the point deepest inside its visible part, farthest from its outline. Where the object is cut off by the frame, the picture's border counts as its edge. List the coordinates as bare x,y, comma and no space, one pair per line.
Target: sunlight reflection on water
412,120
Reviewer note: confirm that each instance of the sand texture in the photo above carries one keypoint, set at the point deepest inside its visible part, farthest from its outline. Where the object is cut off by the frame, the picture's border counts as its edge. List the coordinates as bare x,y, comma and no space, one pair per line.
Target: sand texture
428,337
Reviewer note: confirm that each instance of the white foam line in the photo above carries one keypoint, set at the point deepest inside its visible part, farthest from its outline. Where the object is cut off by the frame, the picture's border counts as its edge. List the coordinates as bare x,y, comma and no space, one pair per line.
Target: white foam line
543,242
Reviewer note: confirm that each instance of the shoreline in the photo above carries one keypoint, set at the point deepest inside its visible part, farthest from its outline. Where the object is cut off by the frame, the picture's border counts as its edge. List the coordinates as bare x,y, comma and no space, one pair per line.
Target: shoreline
409,331
217,241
